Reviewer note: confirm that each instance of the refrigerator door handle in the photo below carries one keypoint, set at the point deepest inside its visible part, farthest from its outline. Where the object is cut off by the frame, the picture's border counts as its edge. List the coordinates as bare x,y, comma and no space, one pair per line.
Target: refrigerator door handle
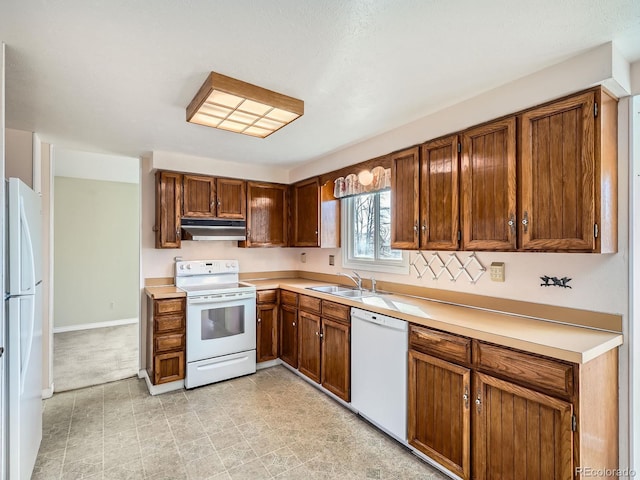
26,352
29,254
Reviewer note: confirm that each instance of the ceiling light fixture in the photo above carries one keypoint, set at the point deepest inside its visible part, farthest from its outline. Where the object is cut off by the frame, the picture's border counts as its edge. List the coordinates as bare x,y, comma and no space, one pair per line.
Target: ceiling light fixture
229,104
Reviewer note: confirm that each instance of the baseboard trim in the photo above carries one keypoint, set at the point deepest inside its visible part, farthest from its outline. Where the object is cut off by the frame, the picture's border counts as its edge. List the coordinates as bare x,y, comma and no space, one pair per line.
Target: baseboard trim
162,388
90,326
268,364
47,392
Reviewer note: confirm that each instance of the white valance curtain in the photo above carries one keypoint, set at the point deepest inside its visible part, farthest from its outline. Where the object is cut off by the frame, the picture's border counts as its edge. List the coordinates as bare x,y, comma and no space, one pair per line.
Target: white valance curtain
366,181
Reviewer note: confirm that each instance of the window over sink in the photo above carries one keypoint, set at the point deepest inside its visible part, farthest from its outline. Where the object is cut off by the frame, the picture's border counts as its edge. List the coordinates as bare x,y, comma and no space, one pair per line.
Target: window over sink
366,225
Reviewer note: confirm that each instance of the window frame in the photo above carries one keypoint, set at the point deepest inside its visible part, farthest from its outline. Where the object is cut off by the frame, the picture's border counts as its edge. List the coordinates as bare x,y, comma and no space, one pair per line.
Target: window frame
400,266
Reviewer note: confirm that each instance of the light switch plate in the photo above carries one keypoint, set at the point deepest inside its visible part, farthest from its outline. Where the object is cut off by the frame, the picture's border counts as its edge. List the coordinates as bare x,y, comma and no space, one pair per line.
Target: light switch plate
497,271
332,259
303,257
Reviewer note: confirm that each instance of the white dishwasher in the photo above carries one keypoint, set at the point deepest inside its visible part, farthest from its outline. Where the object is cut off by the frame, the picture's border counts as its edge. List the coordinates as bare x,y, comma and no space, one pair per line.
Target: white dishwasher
379,356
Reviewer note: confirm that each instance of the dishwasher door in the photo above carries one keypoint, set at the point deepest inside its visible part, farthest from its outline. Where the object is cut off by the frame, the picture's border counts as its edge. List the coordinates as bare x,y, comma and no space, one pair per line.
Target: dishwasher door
379,356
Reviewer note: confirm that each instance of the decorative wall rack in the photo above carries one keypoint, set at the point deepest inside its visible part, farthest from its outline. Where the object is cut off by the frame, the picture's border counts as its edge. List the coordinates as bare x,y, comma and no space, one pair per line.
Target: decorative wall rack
451,265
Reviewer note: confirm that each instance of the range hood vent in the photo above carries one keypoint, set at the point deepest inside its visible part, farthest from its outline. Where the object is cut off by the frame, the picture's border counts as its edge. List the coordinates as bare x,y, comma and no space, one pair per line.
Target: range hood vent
214,229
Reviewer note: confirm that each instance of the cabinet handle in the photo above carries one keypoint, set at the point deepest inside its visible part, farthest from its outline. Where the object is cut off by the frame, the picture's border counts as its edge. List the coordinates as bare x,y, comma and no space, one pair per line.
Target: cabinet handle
177,232
415,228
424,228
465,396
259,320
293,324
219,203
248,234
512,223
479,402
316,232
525,222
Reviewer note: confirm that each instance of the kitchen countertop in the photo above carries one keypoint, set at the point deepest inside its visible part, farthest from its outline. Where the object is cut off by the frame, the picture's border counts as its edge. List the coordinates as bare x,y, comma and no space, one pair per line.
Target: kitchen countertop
164,291
565,342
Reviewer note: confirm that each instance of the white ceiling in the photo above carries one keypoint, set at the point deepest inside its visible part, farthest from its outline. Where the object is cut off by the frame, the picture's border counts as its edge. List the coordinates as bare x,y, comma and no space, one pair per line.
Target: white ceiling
115,76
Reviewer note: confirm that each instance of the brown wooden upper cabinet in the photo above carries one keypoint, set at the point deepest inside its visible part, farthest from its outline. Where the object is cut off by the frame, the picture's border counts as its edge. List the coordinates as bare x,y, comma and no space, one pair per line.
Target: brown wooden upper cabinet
168,209
306,213
405,203
315,215
424,196
231,198
439,204
568,184
212,197
488,179
267,208
198,196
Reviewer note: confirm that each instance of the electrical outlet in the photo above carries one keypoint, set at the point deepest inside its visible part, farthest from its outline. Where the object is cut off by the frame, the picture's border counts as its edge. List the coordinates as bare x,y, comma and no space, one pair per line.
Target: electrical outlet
497,271
332,259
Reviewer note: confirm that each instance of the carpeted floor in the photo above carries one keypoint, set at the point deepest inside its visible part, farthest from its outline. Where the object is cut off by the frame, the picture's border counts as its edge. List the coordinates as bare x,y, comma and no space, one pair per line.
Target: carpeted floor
93,357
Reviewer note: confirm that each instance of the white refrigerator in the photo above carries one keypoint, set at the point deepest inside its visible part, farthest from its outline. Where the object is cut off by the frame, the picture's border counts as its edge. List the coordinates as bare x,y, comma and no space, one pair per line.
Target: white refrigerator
23,307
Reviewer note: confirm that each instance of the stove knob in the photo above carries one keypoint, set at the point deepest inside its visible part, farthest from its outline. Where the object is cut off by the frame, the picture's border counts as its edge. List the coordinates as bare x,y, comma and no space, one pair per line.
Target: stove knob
189,267
181,267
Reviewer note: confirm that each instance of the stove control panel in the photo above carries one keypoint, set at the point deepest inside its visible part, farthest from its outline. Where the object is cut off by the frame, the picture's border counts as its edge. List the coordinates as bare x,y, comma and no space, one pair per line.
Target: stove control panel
206,267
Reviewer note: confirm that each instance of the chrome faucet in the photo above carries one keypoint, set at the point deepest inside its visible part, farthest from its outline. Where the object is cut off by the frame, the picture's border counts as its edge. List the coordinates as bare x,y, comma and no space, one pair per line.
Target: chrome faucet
357,279
373,284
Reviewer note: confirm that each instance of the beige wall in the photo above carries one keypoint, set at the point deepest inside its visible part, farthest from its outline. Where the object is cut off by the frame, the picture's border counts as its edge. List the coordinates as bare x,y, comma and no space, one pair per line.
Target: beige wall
19,155
96,230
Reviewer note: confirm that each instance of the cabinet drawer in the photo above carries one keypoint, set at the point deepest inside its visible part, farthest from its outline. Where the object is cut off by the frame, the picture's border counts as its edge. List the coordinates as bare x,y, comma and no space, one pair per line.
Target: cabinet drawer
169,305
167,323
267,296
310,304
288,298
336,311
166,343
168,367
440,344
548,374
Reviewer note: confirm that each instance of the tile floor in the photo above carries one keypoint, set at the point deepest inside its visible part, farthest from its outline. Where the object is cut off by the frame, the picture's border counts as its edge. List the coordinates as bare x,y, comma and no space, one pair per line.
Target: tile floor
269,425
88,357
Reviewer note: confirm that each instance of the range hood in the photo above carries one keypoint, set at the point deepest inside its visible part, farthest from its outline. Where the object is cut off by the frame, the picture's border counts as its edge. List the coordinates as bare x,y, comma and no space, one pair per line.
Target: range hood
214,229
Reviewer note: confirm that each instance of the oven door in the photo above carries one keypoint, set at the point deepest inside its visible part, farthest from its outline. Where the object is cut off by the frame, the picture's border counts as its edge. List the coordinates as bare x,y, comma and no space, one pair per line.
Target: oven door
220,324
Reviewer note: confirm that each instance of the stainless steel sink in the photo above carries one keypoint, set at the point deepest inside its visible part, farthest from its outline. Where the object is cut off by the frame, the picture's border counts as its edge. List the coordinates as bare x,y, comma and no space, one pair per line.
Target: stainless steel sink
342,291
335,289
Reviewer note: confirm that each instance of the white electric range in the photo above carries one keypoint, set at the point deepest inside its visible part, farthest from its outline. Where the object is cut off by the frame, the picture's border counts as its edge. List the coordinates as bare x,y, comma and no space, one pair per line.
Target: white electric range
221,321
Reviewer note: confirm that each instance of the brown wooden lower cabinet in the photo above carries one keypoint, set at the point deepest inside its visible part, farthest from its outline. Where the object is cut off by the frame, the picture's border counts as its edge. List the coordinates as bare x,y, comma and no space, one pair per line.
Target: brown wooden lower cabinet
288,335
531,416
309,344
266,332
166,339
439,413
168,367
520,433
336,358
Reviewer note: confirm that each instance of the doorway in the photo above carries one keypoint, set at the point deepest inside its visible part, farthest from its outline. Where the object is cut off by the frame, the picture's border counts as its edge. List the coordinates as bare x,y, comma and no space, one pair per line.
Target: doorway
96,268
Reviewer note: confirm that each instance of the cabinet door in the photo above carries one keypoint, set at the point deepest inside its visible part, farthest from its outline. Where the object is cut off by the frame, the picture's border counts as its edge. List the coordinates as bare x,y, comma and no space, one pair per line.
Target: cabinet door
309,345
520,433
405,204
336,358
266,215
306,213
168,367
231,198
439,413
489,186
168,209
439,194
199,196
557,181
288,335
266,332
